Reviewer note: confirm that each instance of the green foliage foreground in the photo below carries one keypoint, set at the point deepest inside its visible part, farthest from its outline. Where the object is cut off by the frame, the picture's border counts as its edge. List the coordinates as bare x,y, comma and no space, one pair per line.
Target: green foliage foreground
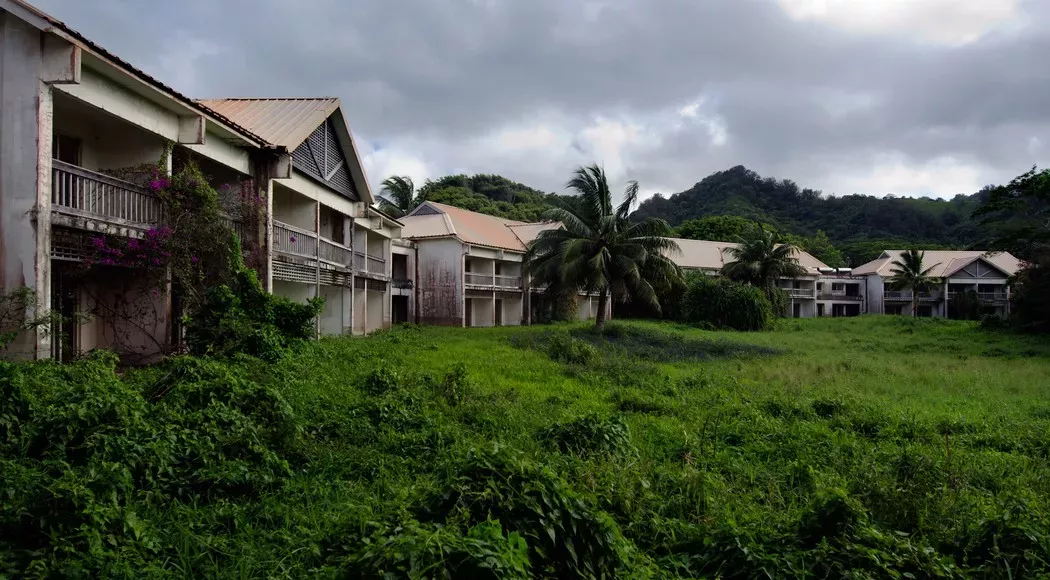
870,448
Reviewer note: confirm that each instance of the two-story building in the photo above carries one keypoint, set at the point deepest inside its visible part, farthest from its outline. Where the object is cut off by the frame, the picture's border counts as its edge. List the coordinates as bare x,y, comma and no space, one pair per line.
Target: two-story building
840,293
467,269
709,257
326,239
78,128
961,275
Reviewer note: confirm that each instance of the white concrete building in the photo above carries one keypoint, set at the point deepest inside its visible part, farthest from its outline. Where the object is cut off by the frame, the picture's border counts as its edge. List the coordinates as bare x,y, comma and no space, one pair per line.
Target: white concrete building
840,293
985,274
74,118
467,268
709,257
325,238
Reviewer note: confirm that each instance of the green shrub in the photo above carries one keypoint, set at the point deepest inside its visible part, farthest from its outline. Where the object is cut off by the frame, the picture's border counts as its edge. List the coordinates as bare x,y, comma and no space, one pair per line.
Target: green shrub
721,303
242,318
590,435
564,348
567,536
413,550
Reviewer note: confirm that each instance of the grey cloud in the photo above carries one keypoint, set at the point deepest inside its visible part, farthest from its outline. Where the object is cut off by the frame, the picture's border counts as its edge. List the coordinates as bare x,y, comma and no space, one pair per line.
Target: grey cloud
452,70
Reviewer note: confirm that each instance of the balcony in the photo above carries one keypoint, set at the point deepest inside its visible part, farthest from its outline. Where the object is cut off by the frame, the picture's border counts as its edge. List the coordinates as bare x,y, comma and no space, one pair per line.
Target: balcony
491,282
369,264
840,296
906,296
334,253
800,292
983,296
288,239
401,284
79,193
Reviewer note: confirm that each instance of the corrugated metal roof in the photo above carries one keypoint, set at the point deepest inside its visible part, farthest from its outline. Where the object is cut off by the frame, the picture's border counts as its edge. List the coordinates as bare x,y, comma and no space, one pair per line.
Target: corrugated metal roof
470,227
945,263
285,122
707,255
435,225
131,69
529,232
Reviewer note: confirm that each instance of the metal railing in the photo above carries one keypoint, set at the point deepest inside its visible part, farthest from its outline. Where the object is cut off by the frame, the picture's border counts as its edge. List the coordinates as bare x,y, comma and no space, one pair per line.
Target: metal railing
292,240
335,253
76,190
478,279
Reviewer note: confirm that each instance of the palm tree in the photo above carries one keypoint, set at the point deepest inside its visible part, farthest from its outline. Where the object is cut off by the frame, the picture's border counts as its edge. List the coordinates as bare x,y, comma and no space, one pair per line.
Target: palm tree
398,196
599,249
908,274
760,261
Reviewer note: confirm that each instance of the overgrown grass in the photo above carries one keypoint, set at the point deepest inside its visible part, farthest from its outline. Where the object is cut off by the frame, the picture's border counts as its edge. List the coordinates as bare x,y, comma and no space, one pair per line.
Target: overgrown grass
873,446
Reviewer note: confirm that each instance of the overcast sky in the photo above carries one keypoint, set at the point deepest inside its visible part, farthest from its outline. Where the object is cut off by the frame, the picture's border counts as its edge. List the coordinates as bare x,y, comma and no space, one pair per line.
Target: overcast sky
911,97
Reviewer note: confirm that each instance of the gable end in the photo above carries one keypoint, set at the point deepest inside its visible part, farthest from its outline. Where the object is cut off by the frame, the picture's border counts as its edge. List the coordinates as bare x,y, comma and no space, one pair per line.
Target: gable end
321,157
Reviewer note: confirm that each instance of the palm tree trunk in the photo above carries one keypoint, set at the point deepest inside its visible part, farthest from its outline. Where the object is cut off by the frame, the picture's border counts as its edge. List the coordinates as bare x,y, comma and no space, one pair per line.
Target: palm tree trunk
603,300
914,304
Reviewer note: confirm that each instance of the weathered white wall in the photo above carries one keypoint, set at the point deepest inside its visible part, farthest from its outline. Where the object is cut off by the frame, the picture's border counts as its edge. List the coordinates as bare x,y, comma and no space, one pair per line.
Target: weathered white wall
294,290
335,319
292,208
106,141
360,324
482,309
440,282
512,309
874,288
377,311
125,313
25,131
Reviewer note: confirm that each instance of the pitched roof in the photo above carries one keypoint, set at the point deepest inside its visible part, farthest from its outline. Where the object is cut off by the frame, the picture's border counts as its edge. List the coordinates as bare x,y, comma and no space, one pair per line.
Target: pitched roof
432,220
285,122
26,10
707,255
944,262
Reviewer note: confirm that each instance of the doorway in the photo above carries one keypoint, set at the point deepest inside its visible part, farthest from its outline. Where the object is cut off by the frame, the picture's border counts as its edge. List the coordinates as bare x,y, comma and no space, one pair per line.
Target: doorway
468,315
499,312
399,309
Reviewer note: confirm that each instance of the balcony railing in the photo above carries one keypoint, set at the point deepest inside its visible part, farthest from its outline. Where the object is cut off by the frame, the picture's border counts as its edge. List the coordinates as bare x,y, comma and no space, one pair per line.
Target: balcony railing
479,279
376,265
906,296
289,239
360,263
335,253
984,296
508,282
840,296
78,191
401,283
800,292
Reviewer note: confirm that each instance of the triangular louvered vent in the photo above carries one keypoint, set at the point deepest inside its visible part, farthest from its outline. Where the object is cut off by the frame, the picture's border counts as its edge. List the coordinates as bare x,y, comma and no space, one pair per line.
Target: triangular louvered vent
321,157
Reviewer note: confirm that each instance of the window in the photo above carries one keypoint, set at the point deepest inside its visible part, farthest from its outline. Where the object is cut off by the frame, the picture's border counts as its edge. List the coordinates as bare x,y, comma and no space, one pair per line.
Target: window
499,270
66,149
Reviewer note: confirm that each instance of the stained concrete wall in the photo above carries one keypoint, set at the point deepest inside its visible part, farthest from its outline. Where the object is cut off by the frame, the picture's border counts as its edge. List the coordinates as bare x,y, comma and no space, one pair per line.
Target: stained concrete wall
335,319
25,131
440,282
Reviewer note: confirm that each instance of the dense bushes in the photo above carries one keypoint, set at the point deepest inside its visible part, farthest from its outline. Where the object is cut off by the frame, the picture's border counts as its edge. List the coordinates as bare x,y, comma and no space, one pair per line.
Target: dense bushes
242,317
718,302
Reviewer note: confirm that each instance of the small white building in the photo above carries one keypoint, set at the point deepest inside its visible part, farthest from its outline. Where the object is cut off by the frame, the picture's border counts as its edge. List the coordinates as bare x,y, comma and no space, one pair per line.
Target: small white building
985,274
709,257
467,268
840,293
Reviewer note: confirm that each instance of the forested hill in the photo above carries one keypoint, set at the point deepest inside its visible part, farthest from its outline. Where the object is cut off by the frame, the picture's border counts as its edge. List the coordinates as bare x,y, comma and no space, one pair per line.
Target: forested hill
490,194
850,218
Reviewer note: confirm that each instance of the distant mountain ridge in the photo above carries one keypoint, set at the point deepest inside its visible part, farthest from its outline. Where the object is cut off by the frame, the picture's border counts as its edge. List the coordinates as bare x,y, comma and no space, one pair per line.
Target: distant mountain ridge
848,218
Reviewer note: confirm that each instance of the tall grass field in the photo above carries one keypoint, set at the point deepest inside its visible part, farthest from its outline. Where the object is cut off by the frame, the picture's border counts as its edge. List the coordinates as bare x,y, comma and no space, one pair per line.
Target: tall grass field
871,447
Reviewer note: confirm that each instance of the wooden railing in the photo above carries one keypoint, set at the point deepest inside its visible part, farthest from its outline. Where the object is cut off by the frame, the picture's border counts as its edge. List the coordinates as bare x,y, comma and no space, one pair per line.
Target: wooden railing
335,253
376,265
907,295
508,282
478,279
292,240
78,191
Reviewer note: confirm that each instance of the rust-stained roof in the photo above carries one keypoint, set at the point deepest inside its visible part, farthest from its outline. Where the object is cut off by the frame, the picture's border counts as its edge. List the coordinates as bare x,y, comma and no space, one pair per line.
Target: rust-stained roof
707,255
529,232
127,67
432,220
285,122
945,263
